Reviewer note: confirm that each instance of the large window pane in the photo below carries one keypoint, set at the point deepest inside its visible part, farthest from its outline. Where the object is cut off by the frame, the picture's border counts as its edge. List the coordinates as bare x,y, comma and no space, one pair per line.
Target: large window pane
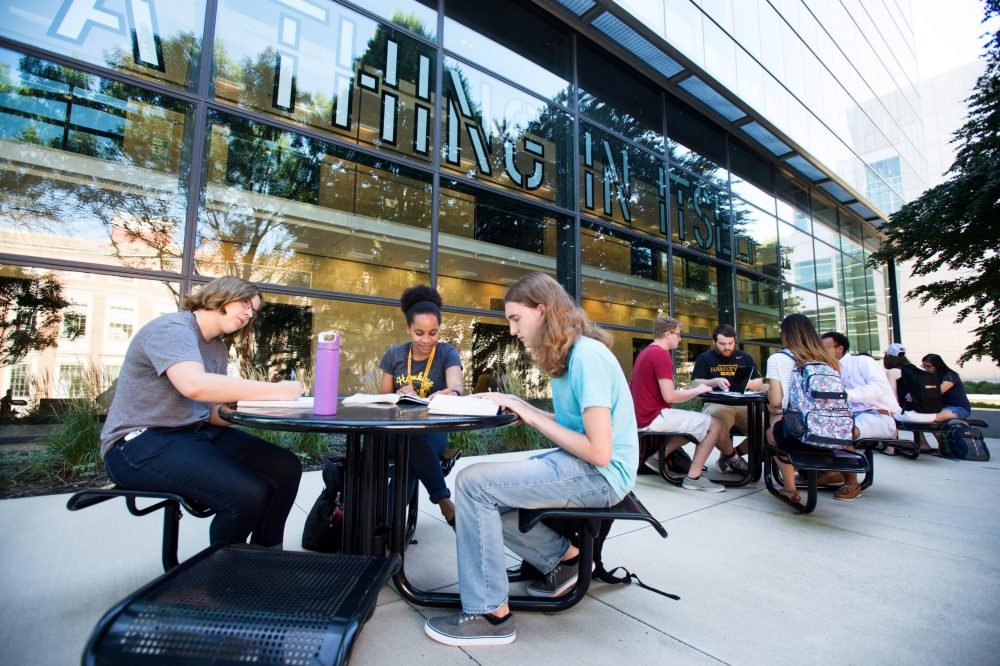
758,309
832,315
328,68
47,355
160,41
614,97
858,330
752,178
799,301
703,296
625,282
497,134
524,47
486,242
90,170
793,202
829,273
622,184
420,16
825,220
855,289
797,258
700,215
695,144
286,209
755,235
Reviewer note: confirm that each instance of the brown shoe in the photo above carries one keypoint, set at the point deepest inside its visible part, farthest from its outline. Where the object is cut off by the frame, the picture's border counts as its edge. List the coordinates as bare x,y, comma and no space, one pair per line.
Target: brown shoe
830,479
848,492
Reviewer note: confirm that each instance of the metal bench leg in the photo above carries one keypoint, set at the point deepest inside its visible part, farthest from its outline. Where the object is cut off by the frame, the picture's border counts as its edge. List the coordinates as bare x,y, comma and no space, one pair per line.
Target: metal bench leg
171,527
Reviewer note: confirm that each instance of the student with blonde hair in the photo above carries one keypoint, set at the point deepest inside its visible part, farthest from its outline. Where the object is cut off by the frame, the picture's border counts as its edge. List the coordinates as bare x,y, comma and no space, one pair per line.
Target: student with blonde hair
163,432
593,427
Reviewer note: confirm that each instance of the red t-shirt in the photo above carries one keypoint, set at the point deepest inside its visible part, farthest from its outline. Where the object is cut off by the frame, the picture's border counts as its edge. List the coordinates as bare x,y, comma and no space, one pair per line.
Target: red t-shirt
651,365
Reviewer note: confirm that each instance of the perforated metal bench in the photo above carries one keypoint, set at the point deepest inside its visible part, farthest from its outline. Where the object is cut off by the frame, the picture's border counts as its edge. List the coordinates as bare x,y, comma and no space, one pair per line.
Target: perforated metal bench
934,428
810,461
244,604
659,440
587,524
170,504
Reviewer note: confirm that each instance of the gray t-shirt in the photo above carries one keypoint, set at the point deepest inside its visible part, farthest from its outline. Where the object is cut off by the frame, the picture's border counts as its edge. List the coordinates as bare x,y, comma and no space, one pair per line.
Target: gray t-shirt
144,397
394,363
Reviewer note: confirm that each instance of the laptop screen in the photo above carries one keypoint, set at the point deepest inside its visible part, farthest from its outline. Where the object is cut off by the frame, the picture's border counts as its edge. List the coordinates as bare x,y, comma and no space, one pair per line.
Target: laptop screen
738,382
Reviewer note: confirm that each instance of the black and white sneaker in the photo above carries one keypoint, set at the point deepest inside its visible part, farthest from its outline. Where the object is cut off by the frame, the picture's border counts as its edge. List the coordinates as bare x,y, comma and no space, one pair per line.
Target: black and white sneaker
462,629
556,582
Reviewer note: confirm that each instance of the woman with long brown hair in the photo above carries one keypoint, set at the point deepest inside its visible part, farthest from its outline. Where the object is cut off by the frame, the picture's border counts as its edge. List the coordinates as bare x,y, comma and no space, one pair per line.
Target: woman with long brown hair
594,464
802,345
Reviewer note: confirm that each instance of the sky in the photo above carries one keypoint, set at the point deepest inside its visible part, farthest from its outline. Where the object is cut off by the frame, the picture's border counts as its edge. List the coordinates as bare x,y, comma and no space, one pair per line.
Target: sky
947,34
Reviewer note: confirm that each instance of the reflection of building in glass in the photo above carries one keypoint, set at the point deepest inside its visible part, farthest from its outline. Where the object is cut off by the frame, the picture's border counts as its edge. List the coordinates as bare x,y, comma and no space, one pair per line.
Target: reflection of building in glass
656,157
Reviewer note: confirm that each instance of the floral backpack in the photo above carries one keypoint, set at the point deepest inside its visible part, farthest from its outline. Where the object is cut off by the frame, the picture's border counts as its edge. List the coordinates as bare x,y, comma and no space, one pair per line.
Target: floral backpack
818,413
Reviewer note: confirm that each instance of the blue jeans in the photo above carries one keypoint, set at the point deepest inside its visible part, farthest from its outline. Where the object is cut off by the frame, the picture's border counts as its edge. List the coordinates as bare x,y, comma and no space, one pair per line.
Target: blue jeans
488,496
959,412
249,483
425,464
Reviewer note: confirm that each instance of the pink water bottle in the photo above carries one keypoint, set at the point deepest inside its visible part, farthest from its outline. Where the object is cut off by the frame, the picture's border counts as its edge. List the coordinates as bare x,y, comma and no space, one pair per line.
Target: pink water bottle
327,374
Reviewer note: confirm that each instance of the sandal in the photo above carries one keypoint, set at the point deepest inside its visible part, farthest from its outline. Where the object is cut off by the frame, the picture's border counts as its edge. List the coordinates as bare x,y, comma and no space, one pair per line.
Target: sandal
790,495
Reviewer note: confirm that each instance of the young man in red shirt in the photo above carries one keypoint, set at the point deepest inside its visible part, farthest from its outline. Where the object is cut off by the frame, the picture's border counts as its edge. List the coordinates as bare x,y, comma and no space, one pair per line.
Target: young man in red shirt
654,395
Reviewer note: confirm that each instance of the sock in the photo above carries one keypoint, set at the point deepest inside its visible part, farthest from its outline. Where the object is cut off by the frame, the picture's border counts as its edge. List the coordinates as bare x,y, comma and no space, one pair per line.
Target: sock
493,619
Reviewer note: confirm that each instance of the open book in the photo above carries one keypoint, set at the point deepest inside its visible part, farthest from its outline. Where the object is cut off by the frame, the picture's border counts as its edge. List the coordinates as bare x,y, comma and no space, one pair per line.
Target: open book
305,402
383,399
460,404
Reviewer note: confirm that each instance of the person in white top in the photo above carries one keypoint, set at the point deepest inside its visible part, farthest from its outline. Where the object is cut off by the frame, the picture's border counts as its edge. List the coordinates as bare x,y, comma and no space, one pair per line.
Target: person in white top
868,390
802,345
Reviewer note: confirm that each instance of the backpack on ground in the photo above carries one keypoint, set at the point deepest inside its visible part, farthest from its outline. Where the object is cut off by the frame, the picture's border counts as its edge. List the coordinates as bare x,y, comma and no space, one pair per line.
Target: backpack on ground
324,527
817,412
963,442
919,390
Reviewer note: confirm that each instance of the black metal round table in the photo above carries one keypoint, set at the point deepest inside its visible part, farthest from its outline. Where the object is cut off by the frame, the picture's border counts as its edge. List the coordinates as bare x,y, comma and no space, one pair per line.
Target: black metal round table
368,529
756,404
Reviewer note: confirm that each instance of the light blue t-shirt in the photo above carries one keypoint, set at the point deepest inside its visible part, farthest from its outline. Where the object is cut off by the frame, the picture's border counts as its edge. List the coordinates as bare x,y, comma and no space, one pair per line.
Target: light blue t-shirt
595,379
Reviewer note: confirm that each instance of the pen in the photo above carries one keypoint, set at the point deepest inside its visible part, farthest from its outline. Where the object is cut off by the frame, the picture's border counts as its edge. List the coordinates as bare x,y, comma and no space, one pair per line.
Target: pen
293,375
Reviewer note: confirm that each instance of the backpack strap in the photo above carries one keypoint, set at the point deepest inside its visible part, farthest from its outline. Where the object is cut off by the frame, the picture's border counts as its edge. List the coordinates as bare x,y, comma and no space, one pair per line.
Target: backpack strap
609,577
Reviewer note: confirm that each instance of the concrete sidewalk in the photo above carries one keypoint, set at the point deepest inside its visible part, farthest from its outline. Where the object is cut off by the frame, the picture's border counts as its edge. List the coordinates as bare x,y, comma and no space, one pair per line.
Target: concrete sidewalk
907,574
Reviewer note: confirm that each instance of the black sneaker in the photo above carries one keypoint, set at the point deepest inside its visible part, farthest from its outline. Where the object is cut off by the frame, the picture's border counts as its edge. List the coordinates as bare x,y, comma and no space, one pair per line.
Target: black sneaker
463,629
556,582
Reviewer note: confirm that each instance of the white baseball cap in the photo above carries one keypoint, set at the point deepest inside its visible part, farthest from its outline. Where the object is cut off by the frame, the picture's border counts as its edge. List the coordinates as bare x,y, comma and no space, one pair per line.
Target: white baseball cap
895,349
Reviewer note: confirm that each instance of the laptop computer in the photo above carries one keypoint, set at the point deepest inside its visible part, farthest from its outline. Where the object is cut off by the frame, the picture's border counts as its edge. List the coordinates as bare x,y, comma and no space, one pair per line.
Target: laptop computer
738,382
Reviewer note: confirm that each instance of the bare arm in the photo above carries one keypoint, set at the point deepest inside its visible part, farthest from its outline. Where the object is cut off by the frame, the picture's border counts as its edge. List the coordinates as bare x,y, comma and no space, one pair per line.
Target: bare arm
454,381
675,395
720,383
592,445
191,381
946,386
386,385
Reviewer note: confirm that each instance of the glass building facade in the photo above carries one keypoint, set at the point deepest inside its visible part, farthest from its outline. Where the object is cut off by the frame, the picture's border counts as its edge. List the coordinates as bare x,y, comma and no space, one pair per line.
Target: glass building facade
647,154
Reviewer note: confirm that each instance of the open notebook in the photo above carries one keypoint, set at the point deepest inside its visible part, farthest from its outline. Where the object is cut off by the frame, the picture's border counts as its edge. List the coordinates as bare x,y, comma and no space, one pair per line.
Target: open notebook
383,399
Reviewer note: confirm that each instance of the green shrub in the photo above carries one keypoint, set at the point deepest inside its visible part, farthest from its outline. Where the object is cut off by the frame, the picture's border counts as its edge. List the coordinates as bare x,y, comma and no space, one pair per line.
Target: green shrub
76,441
982,388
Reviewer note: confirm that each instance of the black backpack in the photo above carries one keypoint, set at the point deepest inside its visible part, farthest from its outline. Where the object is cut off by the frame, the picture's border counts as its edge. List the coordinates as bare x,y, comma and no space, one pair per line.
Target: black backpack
963,442
919,391
324,527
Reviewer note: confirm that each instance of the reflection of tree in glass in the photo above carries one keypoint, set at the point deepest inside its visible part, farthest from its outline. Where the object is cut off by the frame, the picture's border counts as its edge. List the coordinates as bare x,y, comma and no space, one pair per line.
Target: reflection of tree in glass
30,312
495,351
281,343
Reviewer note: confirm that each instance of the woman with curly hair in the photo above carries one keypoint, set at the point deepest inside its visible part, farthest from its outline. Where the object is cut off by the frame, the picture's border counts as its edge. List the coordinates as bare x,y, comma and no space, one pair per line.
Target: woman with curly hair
422,367
594,464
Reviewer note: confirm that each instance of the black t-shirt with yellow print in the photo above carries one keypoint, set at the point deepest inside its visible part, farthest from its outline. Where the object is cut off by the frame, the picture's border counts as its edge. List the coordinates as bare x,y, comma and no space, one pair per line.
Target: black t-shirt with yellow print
712,364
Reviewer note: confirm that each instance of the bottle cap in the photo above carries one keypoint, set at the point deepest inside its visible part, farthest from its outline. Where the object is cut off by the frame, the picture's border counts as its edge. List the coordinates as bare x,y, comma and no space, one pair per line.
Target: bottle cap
328,340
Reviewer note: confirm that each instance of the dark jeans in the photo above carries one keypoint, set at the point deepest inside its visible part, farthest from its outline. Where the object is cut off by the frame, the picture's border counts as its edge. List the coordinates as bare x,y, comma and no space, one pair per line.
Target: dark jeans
425,464
249,483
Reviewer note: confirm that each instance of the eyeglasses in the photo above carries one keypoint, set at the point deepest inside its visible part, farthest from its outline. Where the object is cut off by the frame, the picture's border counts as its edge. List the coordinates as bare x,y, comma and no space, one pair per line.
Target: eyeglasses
927,366
249,306
677,333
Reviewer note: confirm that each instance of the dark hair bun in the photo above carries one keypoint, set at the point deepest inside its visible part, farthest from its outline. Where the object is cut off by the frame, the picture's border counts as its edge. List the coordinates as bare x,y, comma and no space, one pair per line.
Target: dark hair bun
421,299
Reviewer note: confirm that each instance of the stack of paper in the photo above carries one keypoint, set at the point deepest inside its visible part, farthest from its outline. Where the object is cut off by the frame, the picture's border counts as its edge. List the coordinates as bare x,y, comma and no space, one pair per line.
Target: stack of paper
305,402
463,405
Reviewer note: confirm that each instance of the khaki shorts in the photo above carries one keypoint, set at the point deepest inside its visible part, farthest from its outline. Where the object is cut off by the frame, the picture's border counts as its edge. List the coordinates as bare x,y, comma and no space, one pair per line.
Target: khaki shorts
728,415
872,425
680,420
